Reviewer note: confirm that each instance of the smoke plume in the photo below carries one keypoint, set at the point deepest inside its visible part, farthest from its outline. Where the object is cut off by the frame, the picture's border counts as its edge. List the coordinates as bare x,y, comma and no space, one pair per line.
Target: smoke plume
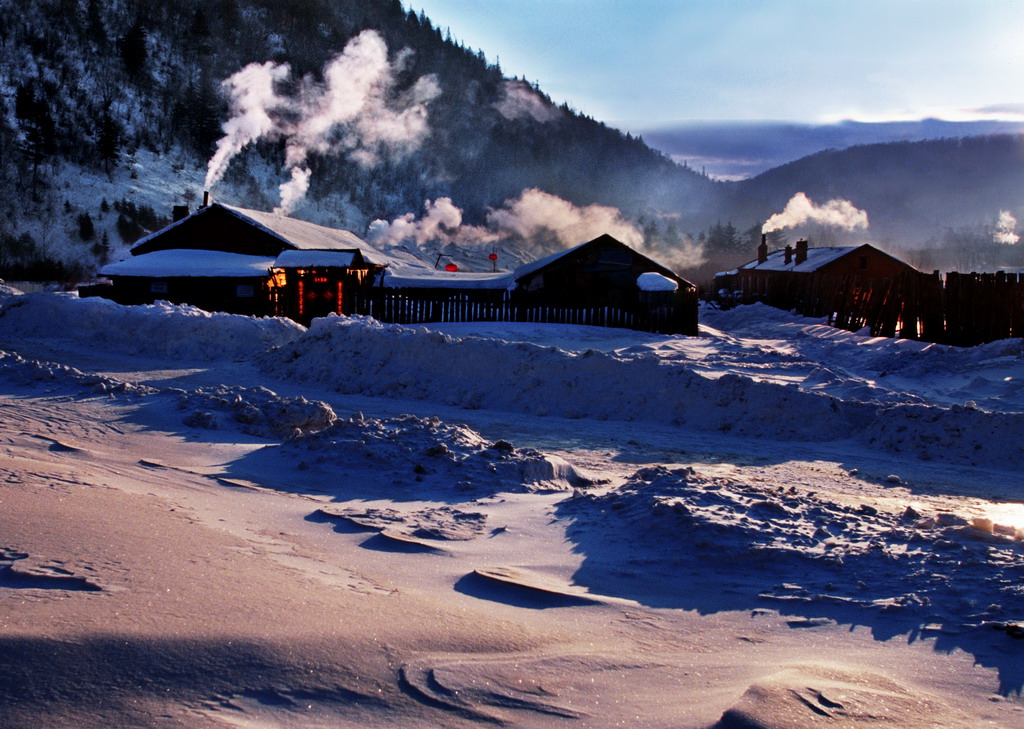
293,190
441,223
801,209
536,222
355,111
537,215
1004,232
253,98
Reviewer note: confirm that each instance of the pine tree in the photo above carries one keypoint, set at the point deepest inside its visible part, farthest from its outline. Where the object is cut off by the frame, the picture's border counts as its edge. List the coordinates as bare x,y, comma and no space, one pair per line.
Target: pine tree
133,49
86,229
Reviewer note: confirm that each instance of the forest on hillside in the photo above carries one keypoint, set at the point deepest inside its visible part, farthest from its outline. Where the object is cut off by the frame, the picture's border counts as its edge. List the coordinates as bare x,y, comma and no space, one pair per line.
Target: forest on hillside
88,84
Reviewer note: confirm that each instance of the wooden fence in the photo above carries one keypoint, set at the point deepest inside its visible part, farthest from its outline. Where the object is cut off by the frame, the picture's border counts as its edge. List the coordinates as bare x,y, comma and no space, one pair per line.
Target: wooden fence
965,309
663,312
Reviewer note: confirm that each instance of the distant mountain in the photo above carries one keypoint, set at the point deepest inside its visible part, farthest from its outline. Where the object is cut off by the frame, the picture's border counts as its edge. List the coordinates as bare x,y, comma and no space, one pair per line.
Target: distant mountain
912,191
733,150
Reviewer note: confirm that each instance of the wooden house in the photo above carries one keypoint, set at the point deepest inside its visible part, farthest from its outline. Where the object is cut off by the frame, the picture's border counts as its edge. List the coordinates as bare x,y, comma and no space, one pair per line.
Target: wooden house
607,274
224,258
762,278
602,282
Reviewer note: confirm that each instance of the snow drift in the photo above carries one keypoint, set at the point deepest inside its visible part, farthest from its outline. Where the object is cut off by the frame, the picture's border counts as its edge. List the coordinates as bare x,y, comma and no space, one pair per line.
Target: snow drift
160,329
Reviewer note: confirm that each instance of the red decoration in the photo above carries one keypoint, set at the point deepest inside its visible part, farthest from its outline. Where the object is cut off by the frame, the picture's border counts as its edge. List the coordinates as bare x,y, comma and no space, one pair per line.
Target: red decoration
493,256
451,268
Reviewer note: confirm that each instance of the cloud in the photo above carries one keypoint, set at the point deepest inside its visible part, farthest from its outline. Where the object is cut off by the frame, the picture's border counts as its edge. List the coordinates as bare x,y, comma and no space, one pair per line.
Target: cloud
801,209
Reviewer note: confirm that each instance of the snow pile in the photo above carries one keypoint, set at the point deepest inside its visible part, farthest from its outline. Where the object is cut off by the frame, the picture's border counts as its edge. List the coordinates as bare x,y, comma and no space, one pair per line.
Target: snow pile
7,291
798,547
817,695
431,453
159,329
959,434
445,523
360,355
24,371
253,410
770,343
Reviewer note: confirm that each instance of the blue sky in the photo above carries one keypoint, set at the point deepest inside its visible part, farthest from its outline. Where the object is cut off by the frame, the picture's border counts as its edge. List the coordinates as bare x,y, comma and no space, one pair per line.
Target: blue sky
640,64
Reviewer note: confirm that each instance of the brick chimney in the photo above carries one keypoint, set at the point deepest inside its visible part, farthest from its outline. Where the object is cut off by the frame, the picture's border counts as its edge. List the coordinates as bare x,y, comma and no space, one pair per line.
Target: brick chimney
789,255
206,198
762,250
801,251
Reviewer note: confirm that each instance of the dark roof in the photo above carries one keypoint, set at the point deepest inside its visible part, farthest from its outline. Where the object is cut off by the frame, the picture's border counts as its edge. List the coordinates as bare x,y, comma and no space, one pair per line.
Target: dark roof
529,269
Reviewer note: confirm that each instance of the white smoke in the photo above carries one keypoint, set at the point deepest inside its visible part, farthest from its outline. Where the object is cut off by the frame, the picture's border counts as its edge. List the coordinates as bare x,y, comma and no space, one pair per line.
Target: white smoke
801,209
536,222
441,223
519,101
1005,229
293,190
252,95
354,110
536,214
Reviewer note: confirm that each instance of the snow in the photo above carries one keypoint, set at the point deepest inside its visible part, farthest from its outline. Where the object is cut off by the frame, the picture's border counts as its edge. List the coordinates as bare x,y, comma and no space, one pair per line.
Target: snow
651,281
293,233
311,259
218,520
180,332
310,236
406,277
816,258
191,263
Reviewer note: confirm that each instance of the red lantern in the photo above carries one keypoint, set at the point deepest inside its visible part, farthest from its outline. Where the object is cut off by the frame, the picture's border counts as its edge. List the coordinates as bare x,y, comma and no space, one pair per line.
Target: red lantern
451,268
493,256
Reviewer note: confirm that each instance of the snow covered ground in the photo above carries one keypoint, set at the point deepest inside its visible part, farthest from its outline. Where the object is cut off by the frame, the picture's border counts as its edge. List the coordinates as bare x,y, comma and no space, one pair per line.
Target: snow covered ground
209,520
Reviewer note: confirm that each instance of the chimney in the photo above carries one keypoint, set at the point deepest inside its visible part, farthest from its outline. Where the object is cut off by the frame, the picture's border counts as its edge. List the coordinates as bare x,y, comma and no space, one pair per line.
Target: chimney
762,250
789,255
801,251
206,198
180,212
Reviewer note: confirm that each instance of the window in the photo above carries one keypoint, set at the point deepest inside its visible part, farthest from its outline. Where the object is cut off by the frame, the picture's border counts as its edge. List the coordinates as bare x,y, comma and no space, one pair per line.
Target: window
158,287
863,263
245,291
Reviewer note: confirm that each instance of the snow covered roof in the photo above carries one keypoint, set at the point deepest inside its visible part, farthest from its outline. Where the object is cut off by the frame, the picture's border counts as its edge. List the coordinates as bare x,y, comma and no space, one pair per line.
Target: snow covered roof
314,259
292,233
190,263
816,258
651,281
309,236
427,278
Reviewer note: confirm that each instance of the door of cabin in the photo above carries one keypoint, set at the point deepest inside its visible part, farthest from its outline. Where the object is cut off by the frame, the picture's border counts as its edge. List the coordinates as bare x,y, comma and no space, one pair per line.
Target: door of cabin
319,295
